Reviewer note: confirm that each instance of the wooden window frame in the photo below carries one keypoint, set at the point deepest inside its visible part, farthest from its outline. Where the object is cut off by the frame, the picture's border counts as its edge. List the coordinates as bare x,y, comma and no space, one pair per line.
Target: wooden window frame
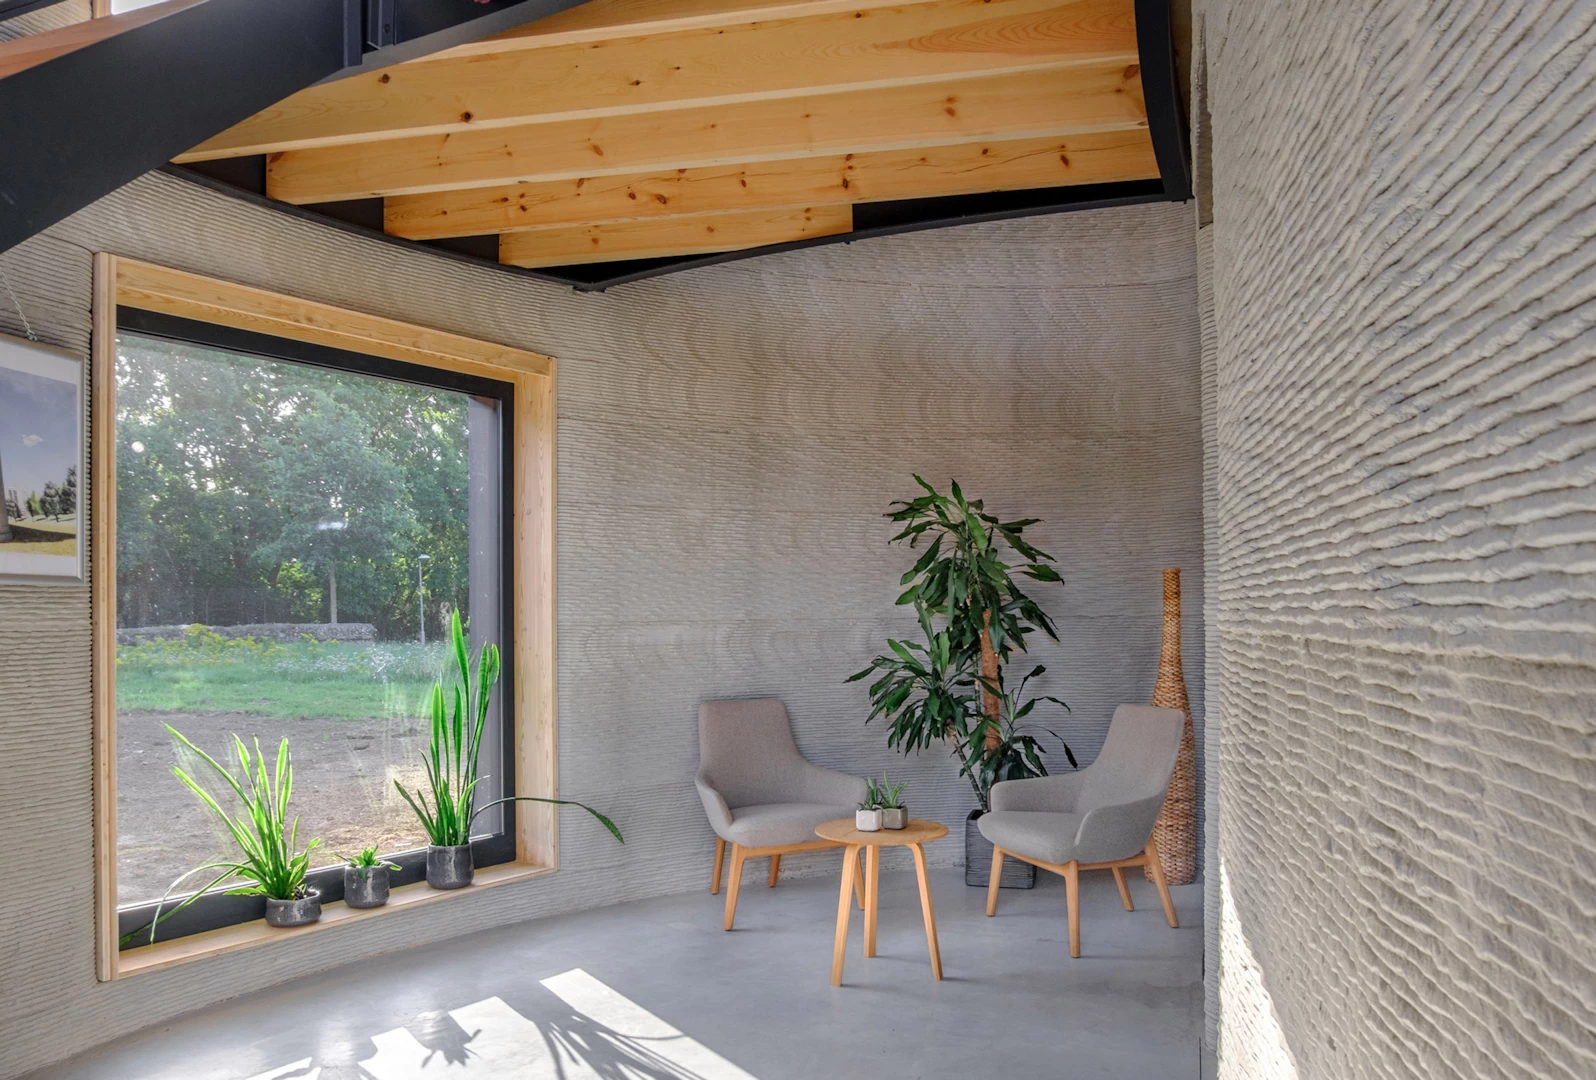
122,282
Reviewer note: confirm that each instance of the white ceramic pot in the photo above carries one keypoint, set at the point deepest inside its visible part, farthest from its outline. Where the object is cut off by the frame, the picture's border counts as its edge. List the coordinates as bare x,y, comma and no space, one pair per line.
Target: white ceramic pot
867,820
894,817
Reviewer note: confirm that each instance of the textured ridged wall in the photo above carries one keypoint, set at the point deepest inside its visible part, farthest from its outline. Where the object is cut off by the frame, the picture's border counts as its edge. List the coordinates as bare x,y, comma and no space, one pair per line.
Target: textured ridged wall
727,442
1403,589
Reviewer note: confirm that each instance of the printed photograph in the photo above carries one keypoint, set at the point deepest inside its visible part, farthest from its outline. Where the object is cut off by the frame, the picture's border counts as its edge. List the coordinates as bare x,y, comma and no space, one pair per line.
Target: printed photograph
41,461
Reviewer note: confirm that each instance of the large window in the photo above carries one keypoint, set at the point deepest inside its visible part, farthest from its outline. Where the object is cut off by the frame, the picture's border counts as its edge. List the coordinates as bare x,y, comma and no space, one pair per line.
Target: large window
296,524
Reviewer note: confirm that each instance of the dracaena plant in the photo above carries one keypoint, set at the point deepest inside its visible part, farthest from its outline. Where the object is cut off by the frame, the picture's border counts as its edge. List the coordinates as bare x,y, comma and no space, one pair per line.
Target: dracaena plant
1011,751
965,576
452,756
973,618
270,860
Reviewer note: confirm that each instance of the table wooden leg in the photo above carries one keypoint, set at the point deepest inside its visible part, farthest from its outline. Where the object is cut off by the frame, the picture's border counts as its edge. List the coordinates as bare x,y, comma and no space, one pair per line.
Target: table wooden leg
926,910
872,896
850,874
858,882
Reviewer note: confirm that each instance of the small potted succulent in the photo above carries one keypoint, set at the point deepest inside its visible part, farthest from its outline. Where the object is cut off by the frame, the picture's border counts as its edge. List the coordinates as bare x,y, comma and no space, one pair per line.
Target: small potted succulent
868,817
450,763
889,797
366,879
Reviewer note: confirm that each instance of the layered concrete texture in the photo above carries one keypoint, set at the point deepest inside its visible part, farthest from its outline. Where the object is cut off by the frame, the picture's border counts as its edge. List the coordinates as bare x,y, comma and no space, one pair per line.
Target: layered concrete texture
656,989
728,442
1402,596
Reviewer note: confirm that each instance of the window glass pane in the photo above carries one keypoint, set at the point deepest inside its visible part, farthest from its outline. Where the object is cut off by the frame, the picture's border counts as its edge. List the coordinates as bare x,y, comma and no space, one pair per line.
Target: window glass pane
286,537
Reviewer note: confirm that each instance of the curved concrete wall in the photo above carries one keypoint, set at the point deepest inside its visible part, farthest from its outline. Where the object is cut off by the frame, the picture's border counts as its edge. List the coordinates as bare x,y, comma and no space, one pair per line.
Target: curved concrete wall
728,441
1402,597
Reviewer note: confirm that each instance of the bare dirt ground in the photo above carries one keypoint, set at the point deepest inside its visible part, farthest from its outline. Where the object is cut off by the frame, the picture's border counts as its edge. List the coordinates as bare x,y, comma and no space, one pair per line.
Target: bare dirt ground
343,790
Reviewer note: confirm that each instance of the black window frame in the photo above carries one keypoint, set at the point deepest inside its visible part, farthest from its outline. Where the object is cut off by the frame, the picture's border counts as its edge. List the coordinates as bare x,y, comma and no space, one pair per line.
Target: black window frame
215,910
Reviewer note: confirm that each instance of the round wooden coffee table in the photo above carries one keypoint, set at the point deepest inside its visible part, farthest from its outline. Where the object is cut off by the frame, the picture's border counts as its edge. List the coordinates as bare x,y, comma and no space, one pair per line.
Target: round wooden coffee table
917,832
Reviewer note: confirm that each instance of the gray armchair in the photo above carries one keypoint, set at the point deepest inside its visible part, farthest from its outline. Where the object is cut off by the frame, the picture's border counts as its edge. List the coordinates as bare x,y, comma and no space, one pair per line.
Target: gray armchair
1100,818
762,797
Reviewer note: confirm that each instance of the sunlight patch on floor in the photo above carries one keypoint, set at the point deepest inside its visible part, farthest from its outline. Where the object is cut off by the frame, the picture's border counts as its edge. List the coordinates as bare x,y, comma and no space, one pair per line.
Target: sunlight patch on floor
599,1035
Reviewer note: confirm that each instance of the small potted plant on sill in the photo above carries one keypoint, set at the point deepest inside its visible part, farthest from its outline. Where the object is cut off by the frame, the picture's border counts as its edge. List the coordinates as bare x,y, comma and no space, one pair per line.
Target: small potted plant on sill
366,879
269,861
889,797
450,761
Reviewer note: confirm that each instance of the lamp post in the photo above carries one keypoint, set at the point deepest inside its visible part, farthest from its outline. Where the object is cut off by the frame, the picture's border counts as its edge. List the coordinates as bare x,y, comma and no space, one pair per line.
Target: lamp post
421,600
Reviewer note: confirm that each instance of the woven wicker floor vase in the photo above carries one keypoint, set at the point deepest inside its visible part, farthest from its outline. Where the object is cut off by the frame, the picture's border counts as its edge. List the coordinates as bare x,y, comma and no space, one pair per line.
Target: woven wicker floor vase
1176,831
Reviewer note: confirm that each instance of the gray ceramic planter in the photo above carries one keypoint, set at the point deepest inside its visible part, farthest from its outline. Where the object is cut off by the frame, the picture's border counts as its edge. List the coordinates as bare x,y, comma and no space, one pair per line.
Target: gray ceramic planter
365,892
301,912
978,861
894,817
449,867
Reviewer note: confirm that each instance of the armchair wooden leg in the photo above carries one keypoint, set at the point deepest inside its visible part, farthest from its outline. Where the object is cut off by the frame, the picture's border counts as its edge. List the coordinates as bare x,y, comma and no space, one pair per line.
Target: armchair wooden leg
992,886
1124,891
775,868
1072,896
720,859
739,854
1155,867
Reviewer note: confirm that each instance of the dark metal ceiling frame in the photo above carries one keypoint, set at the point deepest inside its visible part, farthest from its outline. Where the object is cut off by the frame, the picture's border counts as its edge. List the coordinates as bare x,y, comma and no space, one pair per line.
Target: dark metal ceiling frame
78,126
246,177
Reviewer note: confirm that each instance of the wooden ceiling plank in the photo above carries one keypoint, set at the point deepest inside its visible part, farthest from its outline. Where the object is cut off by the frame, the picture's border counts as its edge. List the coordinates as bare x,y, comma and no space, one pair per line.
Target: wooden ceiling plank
604,20
961,169
685,235
1101,96
849,50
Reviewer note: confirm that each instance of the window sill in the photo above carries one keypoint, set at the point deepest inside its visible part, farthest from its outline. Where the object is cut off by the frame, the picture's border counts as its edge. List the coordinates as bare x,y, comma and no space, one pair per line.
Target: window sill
165,954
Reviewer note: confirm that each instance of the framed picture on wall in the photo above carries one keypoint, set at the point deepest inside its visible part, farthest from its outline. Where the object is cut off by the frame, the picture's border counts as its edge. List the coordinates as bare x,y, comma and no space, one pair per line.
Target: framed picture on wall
41,463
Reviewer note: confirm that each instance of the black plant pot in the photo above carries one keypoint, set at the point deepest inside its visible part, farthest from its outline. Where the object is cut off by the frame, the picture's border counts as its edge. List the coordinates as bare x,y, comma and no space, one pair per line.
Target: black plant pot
365,892
449,867
978,861
301,912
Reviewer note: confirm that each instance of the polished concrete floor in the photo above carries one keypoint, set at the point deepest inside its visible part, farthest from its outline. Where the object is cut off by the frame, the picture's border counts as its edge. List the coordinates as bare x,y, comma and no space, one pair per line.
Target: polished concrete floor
656,990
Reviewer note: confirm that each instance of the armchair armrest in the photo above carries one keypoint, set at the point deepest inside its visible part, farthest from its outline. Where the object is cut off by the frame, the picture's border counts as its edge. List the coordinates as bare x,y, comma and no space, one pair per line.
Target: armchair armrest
1118,831
1055,794
819,785
715,807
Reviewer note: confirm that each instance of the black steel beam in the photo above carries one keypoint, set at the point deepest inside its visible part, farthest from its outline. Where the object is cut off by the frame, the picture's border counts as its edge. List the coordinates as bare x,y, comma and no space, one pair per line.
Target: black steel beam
1166,117
80,125
870,220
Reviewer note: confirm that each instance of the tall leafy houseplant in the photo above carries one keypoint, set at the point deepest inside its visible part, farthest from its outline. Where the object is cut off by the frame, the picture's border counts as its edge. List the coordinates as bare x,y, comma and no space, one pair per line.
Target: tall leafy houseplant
452,757
950,686
269,856
963,577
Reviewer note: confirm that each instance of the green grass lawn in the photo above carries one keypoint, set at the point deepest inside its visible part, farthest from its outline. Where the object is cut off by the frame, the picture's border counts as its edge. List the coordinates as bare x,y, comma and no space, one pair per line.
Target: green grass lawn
205,673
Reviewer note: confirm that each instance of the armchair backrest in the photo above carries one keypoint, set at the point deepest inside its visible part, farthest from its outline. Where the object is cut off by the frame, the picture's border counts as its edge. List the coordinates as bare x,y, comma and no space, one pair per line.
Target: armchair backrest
1137,760
746,751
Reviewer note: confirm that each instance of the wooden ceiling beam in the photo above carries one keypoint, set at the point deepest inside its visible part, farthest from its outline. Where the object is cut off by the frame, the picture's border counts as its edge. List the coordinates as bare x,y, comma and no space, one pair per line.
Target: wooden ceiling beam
1091,97
898,46
602,20
960,169
694,234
